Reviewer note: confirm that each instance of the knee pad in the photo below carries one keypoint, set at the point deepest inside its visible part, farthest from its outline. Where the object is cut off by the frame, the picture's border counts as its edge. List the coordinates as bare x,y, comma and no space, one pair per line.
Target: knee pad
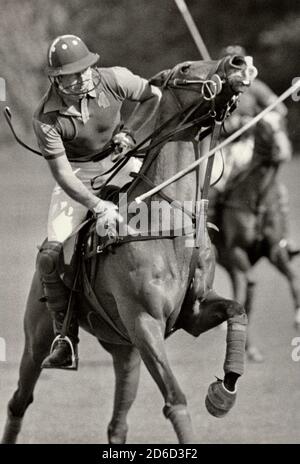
47,261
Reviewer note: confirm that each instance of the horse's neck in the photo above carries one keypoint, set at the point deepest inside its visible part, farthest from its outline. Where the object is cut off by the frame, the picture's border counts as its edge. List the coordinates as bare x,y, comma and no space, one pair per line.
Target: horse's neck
172,158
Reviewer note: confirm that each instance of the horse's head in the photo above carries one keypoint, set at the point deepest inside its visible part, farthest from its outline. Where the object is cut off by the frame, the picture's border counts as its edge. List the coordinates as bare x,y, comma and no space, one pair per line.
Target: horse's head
272,145
206,88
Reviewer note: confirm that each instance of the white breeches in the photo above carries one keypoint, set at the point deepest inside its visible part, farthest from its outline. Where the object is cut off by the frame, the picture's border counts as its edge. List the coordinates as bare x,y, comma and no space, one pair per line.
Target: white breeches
66,214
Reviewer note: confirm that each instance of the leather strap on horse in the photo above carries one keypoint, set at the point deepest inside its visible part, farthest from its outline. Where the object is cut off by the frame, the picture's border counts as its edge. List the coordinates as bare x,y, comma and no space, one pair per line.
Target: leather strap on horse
201,233
70,309
210,162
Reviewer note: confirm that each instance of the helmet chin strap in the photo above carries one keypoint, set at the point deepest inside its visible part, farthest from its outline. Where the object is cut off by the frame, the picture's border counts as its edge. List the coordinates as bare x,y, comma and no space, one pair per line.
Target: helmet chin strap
68,92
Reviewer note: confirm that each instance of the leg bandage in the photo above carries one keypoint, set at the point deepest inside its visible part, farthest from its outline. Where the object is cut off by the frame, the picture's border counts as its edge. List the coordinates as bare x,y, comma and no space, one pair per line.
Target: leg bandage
236,343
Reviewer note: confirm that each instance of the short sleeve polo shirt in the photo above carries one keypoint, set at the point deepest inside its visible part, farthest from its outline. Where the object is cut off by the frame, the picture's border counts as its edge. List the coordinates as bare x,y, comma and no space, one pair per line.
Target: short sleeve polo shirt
60,127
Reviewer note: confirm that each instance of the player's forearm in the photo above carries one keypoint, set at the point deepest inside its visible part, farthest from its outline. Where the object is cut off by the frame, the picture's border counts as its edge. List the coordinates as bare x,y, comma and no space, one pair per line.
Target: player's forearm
76,190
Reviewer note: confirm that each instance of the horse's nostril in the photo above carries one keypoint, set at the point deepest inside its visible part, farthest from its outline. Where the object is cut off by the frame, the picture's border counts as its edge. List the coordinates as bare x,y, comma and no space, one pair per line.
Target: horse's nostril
185,69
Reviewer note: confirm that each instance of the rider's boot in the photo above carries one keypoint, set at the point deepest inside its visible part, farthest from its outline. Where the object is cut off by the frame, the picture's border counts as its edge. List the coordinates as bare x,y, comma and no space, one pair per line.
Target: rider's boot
64,351
63,354
284,209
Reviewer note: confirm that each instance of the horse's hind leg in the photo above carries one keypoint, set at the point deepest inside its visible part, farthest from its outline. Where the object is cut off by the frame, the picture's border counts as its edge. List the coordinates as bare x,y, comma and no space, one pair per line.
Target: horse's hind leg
148,335
280,259
126,361
206,315
38,334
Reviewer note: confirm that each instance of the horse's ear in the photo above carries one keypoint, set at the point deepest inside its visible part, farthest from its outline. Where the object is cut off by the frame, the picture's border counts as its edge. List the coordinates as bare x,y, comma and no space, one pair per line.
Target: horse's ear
160,78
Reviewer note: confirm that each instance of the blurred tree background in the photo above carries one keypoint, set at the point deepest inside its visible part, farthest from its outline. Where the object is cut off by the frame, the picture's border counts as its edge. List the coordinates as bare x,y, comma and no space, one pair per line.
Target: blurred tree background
145,36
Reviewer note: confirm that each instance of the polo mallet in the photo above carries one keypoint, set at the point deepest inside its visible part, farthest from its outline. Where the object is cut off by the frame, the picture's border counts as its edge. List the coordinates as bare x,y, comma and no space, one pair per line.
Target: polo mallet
193,29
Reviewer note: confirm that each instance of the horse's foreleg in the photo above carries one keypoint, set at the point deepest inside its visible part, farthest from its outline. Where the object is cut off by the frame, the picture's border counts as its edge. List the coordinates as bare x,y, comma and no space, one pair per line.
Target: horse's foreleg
206,315
38,334
280,259
23,396
221,396
148,336
215,309
127,361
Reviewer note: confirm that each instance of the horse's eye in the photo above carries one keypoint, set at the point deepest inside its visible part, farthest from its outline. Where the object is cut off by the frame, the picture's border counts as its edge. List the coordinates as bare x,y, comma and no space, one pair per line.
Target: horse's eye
185,69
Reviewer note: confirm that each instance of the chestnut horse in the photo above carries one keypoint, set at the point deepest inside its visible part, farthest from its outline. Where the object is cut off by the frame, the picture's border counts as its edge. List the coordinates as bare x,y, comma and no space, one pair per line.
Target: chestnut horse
149,288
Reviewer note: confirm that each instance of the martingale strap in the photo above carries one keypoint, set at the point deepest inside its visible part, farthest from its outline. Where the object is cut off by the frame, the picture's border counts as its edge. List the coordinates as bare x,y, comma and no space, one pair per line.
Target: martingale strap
210,162
99,244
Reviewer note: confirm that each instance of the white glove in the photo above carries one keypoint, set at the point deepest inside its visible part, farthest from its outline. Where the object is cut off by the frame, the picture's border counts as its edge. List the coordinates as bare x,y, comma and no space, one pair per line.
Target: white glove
107,218
123,142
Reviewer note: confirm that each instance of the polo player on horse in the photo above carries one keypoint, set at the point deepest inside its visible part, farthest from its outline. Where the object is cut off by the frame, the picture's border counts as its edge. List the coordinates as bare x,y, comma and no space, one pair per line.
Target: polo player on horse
78,118
239,153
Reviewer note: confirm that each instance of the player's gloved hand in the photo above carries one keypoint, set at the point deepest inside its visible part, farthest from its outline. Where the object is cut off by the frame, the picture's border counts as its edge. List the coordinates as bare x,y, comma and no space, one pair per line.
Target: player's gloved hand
123,142
107,218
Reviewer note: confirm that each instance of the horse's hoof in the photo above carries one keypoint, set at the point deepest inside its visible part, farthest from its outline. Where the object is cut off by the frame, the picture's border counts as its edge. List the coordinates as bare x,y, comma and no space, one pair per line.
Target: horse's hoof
219,400
117,435
254,355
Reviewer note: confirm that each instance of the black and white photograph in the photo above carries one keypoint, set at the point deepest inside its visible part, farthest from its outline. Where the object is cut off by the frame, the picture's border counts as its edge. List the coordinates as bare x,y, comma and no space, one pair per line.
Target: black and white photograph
150,216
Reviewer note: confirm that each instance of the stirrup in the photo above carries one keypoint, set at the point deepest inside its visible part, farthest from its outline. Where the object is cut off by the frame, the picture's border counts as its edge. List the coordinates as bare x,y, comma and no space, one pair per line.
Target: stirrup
74,365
